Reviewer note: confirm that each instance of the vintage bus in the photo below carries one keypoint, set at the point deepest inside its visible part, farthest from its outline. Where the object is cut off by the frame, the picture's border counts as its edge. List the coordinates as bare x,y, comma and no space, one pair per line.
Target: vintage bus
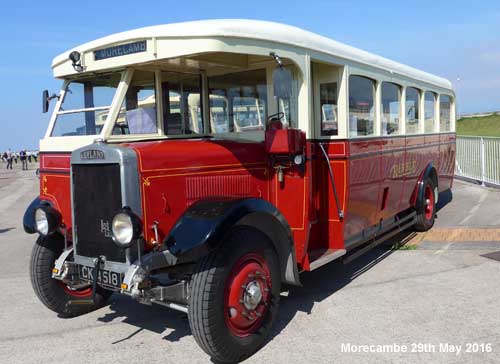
203,165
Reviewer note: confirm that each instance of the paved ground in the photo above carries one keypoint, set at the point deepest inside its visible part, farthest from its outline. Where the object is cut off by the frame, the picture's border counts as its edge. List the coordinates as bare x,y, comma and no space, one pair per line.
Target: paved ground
440,293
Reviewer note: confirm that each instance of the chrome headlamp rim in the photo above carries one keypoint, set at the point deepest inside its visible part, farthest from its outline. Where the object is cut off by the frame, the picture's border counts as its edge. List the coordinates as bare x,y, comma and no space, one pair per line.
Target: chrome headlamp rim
126,228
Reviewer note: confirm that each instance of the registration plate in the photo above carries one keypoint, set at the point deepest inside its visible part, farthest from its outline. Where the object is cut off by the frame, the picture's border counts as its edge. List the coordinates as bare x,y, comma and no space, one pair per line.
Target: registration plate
105,277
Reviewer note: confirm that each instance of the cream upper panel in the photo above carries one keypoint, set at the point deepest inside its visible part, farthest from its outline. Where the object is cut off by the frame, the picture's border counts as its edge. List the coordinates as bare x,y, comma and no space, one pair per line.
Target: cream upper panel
201,32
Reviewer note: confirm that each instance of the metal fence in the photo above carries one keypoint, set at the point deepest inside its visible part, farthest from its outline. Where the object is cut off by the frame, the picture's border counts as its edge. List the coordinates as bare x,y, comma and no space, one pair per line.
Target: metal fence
478,158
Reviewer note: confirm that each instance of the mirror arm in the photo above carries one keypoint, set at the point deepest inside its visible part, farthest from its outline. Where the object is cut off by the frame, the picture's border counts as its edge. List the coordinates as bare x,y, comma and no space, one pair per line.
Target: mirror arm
277,59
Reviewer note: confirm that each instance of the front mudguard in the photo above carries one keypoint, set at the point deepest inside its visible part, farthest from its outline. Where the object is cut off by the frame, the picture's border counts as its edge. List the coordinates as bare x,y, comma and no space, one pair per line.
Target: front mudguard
202,228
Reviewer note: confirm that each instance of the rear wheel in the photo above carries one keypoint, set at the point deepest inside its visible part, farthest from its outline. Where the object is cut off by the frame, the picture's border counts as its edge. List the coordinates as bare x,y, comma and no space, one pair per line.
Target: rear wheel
425,218
55,294
234,296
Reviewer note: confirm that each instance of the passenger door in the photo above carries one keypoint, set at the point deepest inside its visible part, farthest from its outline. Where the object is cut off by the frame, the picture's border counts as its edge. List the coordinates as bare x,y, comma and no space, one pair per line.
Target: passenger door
327,231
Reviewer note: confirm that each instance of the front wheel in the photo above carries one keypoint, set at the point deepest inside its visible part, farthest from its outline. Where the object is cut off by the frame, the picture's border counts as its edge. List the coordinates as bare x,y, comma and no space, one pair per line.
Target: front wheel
425,219
55,294
234,296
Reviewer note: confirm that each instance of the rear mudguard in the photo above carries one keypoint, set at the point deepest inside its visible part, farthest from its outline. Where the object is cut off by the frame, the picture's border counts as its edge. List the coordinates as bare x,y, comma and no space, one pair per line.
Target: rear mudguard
202,228
429,171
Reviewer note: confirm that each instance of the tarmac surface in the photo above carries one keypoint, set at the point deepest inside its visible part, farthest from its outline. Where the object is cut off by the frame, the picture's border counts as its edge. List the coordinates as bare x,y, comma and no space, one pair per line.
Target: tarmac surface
434,300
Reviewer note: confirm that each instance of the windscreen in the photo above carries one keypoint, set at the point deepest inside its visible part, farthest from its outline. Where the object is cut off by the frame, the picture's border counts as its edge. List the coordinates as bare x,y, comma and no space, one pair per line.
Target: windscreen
85,106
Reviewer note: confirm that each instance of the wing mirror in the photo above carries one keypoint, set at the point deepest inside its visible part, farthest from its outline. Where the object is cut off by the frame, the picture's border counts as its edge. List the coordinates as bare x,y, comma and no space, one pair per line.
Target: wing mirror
46,100
282,83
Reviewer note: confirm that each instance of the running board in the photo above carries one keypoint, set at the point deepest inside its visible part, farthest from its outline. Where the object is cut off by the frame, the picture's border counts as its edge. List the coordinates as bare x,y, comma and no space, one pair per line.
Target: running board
324,257
379,241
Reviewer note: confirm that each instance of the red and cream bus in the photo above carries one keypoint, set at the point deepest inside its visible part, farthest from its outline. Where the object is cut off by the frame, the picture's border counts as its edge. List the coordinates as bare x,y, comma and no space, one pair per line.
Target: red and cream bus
203,165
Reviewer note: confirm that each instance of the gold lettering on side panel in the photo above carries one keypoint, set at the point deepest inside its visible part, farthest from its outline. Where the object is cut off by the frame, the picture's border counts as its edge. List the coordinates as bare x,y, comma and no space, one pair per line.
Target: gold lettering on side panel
403,169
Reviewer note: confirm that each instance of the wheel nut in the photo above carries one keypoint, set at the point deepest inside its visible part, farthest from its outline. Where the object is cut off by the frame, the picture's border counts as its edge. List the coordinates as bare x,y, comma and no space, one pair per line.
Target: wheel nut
233,312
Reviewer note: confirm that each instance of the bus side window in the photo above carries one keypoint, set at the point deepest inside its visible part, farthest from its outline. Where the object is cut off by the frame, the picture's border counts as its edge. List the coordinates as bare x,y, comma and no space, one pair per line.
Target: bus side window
429,111
412,110
328,108
445,113
361,110
391,108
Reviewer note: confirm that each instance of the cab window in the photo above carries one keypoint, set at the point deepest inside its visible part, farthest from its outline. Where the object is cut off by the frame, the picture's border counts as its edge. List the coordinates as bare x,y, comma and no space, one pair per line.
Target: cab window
182,112
86,105
238,101
138,112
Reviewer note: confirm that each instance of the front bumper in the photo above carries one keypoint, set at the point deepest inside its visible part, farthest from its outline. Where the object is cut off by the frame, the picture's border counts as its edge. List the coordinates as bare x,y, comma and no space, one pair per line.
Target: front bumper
137,277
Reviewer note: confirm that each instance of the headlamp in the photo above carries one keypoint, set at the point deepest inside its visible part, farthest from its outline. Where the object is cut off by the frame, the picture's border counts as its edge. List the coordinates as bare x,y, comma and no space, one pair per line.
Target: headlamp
47,220
126,228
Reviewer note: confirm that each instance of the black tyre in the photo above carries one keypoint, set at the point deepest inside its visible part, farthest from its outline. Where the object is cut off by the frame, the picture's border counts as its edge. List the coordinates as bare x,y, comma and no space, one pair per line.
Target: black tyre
53,293
425,218
235,296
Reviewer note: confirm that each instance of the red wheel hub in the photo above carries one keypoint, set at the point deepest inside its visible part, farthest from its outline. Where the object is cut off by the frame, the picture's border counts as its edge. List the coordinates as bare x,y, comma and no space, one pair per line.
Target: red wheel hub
247,295
77,293
429,202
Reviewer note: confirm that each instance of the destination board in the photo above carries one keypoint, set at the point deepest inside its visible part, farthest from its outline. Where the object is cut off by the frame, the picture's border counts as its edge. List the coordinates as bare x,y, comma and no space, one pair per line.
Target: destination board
120,50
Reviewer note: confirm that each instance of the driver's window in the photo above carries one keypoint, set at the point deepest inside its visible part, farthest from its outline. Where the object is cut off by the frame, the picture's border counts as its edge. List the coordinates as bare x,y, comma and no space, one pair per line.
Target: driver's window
238,101
182,112
138,112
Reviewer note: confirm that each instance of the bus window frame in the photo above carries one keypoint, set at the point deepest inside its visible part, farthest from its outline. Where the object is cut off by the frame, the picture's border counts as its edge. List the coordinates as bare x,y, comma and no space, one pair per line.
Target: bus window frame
300,83
315,81
452,116
376,103
404,83
381,108
435,116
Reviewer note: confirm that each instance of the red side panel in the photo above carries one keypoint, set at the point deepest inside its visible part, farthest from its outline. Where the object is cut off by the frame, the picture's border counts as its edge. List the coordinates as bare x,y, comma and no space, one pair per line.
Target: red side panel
364,185
175,174
447,151
393,173
55,183
415,162
55,162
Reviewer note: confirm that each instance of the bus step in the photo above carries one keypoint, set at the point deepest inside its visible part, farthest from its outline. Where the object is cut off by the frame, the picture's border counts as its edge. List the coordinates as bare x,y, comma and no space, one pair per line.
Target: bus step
320,257
379,240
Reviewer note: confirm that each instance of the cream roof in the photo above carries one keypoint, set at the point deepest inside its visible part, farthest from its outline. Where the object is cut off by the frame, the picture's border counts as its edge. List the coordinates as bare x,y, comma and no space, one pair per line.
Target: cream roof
260,30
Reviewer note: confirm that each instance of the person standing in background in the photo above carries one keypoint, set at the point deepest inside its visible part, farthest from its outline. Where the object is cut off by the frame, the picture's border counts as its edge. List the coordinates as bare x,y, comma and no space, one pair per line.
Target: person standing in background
9,158
23,158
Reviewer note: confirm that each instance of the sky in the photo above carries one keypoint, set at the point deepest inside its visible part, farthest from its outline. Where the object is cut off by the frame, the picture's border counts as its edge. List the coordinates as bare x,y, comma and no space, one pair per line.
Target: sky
453,39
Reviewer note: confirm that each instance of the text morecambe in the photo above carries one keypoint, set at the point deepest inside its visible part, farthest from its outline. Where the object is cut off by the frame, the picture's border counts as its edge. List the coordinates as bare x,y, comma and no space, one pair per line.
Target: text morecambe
120,50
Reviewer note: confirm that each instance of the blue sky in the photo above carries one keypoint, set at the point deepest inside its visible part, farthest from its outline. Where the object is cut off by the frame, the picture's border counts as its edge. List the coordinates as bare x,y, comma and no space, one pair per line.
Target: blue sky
449,38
